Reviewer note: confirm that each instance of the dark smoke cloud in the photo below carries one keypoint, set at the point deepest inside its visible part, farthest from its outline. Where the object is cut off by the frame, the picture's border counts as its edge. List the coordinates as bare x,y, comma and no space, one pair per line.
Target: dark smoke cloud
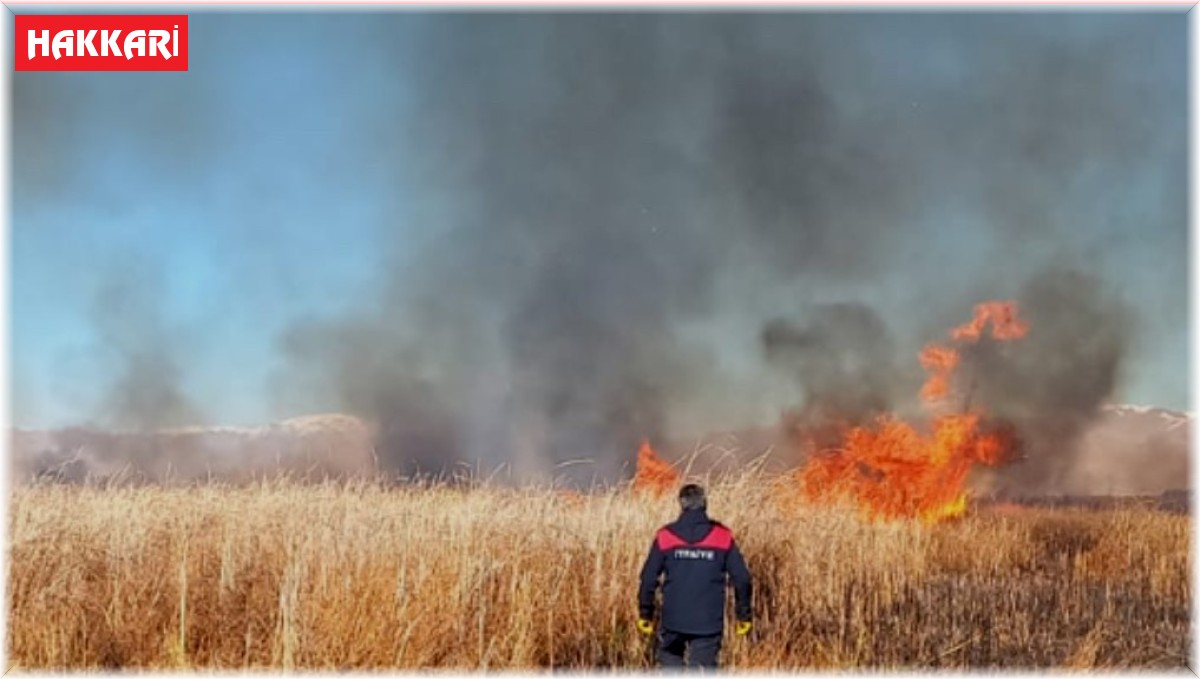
795,165
587,187
61,125
1048,390
1051,385
370,370
578,148
142,392
48,129
601,169
133,336
74,137
588,218
844,360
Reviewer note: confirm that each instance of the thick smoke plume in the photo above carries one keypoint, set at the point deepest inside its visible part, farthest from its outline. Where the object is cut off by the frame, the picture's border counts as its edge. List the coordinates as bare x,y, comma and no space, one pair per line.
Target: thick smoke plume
593,177
590,186
1046,389
146,391
585,223
1051,385
843,358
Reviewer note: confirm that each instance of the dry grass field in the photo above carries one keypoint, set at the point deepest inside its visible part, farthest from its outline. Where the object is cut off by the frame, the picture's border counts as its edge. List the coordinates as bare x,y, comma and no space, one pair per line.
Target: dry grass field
335,577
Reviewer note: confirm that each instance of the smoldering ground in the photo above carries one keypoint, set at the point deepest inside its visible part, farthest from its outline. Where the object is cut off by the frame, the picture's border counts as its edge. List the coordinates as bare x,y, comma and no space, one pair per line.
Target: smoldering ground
587,221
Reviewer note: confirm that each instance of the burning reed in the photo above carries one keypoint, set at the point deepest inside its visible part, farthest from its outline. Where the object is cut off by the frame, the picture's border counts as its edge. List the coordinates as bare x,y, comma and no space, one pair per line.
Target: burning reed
893,470
361,576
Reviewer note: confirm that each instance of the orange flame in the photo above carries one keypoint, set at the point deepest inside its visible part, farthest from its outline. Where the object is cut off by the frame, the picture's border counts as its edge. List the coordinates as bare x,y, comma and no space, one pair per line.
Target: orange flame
654,475
891,470
1003,317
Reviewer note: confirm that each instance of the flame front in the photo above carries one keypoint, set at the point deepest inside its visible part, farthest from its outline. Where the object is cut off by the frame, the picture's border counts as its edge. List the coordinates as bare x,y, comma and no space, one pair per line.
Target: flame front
654,475
891,470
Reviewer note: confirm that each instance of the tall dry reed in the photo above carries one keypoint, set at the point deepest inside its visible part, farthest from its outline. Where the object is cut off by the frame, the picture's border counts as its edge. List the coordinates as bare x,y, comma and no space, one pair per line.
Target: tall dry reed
331,576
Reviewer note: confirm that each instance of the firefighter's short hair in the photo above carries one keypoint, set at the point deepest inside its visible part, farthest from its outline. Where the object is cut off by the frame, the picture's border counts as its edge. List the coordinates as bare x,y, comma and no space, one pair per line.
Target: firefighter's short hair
691,496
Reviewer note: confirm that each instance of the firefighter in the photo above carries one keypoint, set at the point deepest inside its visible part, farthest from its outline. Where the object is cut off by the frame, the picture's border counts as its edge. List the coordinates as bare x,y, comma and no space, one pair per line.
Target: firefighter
695,553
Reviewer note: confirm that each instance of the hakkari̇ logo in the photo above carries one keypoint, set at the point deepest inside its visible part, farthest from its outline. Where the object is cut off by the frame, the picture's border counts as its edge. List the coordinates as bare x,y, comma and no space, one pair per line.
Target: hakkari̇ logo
80,42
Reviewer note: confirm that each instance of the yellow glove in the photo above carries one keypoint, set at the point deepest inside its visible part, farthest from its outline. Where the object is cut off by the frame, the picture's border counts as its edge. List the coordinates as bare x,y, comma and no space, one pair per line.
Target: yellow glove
645,626
744,627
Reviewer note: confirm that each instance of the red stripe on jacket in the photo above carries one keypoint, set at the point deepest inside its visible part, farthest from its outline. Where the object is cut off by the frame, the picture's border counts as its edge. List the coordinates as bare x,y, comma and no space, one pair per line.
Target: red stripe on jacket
719,537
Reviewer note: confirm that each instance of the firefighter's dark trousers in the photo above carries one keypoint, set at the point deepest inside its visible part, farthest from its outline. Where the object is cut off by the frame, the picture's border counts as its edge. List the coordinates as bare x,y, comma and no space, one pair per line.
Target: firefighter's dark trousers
700,651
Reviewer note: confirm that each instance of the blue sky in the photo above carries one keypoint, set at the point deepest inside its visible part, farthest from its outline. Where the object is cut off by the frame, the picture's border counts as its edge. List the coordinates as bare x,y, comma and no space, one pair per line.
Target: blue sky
261,189
240,151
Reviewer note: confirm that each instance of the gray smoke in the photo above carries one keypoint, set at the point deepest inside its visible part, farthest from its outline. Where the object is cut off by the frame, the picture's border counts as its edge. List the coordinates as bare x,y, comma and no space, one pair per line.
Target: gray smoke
1045,390
587,187
142,393
844,360
146,389
371,370
60,121
312,448
586,220
1050,386
590,161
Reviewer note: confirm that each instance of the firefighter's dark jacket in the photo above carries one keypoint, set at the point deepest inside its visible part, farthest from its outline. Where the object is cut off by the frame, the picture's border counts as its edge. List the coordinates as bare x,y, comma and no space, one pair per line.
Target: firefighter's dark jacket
695,553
